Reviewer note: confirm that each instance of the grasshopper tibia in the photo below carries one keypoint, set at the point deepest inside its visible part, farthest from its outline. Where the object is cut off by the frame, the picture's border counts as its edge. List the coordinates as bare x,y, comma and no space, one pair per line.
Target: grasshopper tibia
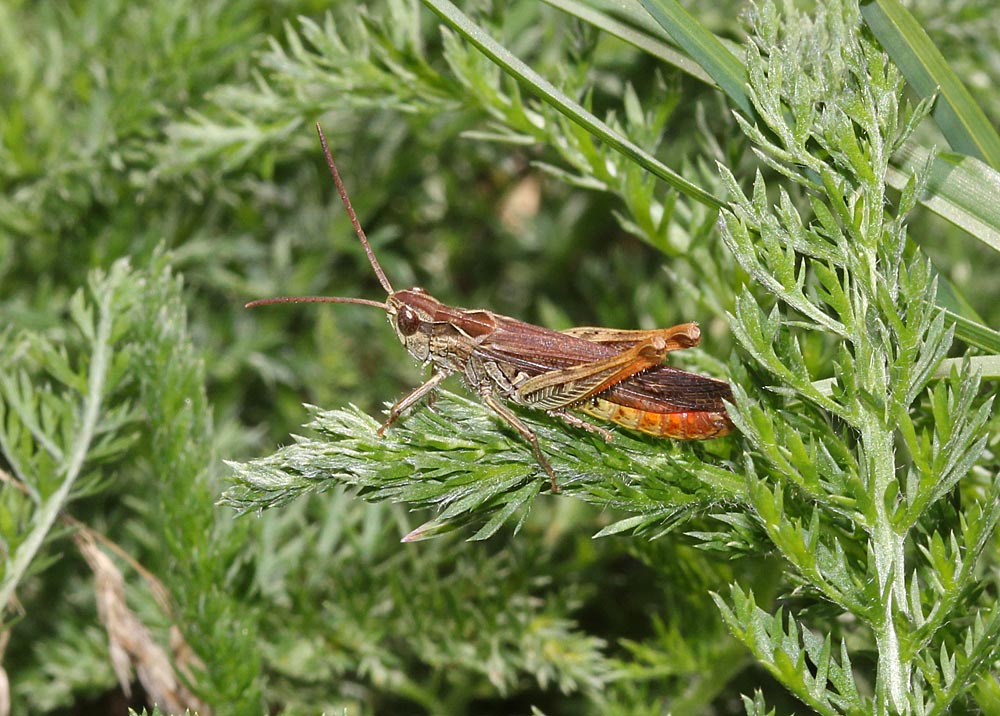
515,422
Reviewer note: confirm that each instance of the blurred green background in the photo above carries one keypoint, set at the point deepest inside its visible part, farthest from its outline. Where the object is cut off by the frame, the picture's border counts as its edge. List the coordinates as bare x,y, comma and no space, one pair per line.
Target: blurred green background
180,133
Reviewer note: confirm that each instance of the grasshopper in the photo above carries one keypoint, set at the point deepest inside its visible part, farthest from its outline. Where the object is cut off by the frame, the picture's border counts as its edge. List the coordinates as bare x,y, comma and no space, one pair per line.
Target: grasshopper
614,375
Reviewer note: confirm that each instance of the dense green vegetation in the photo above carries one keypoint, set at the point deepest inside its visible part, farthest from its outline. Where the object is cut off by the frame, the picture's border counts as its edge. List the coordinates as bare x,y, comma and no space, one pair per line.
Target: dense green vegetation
828,213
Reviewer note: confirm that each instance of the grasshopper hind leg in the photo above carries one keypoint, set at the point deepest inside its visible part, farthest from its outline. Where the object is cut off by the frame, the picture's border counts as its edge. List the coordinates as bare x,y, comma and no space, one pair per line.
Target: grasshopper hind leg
578,422
524,431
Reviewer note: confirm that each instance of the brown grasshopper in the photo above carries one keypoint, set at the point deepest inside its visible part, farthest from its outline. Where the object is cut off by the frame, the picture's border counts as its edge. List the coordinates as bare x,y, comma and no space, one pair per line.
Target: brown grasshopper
612,374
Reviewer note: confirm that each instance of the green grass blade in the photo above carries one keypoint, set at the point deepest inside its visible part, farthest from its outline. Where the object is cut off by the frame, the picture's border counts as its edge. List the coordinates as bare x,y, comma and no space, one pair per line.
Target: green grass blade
987,367
960,189
963,123
973,333
546,91
705,48
638,37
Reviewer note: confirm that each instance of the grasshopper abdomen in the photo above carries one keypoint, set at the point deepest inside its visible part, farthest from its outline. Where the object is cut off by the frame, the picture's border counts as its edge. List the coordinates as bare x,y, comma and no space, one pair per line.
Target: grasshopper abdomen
688,425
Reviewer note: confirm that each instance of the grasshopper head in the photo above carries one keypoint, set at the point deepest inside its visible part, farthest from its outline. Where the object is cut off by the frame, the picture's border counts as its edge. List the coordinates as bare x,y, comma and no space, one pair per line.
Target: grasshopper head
412,314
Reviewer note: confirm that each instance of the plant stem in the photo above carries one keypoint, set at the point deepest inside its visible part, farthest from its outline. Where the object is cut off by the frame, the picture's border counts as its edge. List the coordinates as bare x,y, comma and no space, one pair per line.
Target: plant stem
49,512
890,569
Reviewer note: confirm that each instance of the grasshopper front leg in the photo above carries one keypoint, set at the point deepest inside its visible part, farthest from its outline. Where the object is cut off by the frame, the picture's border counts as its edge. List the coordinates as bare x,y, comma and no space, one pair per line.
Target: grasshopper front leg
408,401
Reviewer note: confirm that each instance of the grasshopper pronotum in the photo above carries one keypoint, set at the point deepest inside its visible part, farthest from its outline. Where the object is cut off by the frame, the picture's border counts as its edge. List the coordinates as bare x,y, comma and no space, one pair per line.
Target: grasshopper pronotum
615,375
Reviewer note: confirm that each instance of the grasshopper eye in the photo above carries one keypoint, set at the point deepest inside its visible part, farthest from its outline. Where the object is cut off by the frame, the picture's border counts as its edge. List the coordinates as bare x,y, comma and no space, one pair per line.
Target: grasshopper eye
407,321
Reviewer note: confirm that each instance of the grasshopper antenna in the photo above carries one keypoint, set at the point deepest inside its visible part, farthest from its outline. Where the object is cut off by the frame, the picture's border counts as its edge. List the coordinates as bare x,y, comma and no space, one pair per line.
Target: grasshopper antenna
361,235
313,299
350,213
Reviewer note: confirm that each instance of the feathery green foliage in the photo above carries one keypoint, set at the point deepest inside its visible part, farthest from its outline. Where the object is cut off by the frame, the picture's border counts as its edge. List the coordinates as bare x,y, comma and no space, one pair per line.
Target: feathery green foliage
114,403
850,509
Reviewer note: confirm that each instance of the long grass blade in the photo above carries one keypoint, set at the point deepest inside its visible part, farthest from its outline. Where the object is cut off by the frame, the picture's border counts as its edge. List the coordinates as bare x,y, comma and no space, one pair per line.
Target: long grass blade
704,48
638,37
962,121
548,92
960,189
